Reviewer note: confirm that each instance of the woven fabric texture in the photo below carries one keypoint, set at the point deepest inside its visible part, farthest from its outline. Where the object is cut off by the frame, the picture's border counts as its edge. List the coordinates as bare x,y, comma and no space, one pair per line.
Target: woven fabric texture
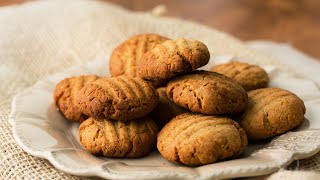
41,38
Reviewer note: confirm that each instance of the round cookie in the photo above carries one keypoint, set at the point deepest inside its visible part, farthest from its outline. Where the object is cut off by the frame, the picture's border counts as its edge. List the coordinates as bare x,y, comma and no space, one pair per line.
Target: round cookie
249,76
119,138
125,58
270,112
196,139
166,109
171,58
119,98
65,94
208,93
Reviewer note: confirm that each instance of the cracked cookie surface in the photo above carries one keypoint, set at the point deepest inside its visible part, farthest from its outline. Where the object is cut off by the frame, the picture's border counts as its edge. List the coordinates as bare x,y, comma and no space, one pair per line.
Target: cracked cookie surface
171,58
125,57
65,94
119,98
208,93
119,138
196,139
270,112
166,109
249,76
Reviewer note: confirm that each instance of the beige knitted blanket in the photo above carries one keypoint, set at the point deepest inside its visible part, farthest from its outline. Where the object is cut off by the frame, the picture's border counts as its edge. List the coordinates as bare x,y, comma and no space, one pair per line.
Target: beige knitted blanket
41,38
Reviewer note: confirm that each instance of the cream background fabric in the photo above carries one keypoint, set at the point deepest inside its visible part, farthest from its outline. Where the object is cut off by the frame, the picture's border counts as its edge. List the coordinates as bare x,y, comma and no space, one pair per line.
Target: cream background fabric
41,38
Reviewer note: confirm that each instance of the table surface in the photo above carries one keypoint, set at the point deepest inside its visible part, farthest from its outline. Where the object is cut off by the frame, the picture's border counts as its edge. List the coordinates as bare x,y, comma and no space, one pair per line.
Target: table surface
296,22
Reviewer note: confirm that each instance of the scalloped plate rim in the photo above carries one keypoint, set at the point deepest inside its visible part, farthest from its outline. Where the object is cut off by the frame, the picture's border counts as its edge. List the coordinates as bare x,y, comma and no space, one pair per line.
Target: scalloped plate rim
98,171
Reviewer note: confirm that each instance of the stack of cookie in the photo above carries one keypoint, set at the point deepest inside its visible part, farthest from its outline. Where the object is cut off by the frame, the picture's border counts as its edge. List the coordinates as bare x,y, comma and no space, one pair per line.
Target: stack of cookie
155,85
114,113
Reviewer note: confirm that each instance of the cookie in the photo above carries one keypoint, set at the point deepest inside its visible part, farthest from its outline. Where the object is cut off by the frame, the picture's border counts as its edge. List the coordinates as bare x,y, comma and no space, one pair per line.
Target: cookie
119,138
127,55
249,76
119,98
171,58
270,112
65,94
166,109
208,93
196,139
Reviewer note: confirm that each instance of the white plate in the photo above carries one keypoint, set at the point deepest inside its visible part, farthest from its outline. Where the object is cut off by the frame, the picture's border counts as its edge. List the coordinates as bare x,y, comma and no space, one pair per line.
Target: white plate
42,131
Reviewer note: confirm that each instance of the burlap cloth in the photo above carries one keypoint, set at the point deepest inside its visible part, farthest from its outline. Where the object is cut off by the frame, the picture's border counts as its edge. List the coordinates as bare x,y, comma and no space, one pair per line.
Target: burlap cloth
38,39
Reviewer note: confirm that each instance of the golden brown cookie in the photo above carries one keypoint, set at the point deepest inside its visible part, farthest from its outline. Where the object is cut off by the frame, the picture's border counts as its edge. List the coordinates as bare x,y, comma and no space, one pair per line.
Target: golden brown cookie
208,93
166,109
171,58
249,76
119,138
270,112
65,94
196,139
127,55
119,98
